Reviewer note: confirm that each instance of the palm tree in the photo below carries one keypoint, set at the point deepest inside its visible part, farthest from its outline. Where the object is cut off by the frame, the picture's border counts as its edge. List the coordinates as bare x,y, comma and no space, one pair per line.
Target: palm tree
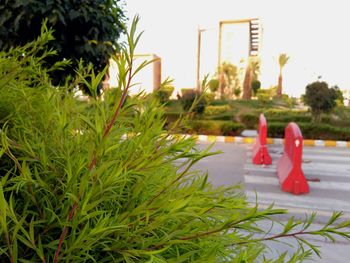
247,82
252,73
282,61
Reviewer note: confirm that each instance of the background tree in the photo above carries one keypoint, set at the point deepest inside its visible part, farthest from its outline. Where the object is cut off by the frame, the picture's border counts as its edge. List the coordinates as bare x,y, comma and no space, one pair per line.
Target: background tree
251,74
230,80
255,83
214,85
247,92
282,61
339,95
320,98
83,29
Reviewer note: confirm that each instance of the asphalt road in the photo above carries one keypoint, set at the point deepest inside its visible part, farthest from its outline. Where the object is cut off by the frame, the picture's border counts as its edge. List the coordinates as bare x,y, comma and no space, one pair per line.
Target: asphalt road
226,168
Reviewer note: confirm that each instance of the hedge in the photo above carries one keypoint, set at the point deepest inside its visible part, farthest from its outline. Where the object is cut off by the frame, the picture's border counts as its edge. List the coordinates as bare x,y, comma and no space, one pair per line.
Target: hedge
249,120
311,131
215,110
210,127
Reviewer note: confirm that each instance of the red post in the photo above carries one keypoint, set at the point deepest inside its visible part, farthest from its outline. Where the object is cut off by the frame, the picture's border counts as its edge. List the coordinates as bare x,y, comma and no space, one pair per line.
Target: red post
260,152
289,170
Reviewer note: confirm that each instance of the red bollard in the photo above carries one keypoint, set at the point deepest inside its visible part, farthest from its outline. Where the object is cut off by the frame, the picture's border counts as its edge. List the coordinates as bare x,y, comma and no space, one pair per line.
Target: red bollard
289,170
260,152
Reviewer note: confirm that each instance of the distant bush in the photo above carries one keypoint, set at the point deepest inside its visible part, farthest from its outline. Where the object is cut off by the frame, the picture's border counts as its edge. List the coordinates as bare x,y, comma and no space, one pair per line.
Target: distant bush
283,112
209,97
215,110
255,86
320,98
172,116
276,129
298,119
227,116
232,128
263,95
213,85
219,102
324,132
210,127
249,120
163,93
189,97
205,127
311,131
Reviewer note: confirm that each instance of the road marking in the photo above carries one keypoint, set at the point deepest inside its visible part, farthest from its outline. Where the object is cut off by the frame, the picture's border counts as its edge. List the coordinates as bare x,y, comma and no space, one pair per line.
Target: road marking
202,137
300,201
296,210
341,144
326,185
319,143
314,169
314,158
220,138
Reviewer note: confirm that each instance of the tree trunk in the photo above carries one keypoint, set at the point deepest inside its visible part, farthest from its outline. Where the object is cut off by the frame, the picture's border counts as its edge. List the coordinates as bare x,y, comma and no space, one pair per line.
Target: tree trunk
222,85
279,87
247,83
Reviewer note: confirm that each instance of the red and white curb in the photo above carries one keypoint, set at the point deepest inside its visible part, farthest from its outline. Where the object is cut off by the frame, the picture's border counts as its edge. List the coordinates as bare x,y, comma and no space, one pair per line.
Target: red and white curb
250,140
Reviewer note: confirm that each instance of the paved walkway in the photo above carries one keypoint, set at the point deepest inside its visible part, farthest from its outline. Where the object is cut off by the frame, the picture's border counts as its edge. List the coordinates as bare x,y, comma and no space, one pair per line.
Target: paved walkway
328,168
328,172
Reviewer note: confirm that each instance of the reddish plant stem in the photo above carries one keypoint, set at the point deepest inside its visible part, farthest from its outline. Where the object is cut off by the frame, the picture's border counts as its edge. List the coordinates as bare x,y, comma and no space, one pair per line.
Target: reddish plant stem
64,232
275,237
120,104
93,163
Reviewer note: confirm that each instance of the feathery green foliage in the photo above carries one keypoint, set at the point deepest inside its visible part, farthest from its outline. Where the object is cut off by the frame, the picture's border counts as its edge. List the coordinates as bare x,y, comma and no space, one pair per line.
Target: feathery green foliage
102,181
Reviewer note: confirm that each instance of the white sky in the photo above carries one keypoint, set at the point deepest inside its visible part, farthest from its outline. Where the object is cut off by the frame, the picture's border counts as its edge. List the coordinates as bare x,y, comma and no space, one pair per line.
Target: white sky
314,33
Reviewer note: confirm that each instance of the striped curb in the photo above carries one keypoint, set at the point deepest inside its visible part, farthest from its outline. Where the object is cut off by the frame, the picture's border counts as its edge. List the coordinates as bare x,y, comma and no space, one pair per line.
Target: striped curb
251,140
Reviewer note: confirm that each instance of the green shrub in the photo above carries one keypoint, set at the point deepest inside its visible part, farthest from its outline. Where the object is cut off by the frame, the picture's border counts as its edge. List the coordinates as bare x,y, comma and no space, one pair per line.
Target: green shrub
209,97
255,86
282,113
320,98
232,128
275,129
311,131
287,118
249,120
263,96
324,132
95,182
211,127
205,127
193,101
172,116
219,102
213,85
215,110
163,93
227,116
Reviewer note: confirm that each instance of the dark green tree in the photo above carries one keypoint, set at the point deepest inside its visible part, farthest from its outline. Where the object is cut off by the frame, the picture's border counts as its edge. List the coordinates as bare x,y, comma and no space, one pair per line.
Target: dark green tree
338,94
320,98
83,29
256,85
